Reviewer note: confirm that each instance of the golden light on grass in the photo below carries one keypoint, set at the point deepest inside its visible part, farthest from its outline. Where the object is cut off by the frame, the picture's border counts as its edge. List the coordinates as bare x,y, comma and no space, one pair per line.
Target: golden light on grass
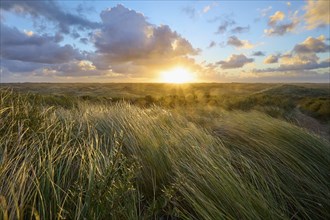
177,75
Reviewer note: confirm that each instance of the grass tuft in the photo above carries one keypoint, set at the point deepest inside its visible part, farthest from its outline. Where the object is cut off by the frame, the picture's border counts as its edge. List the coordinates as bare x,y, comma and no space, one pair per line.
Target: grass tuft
119,161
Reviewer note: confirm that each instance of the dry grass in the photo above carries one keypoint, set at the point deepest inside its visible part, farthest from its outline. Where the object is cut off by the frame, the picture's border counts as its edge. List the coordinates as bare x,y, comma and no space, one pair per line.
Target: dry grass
120,161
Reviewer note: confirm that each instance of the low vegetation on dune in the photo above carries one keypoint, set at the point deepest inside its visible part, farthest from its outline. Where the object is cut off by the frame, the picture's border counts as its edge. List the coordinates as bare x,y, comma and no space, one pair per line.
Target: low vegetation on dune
74,158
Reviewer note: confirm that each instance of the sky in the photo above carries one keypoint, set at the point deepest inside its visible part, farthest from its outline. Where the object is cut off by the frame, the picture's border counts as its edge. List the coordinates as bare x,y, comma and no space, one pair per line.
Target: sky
145,41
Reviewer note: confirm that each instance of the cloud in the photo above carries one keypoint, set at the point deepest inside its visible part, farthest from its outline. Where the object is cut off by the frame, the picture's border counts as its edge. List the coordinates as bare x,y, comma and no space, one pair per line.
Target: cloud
207,8
290,59
222,28
301,58
83,40
58,37
317,13
20,66
265,11
212,44
277,27
234,41
75,35
73,68
73,71
16,45
271,59
28,33
293,76
273,19
239,30
312,45
190,11
221,17
49,10
127,43
235,61
297,66
258,54
281,29
83,8
27,54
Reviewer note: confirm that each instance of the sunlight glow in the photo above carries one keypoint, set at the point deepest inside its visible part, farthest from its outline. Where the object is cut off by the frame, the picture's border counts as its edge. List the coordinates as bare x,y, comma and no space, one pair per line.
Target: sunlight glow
177,75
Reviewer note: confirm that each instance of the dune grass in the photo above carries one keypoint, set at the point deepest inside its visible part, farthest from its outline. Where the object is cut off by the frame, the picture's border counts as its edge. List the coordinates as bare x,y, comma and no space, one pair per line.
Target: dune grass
97,161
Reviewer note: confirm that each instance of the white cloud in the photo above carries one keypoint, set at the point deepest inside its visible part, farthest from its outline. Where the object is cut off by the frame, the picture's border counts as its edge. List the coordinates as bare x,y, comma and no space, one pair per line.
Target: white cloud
207,8
278,27
75,68
278,16
312,45
127,43
28,33
235,61
244,44
317,13
264,12
271,59
302,57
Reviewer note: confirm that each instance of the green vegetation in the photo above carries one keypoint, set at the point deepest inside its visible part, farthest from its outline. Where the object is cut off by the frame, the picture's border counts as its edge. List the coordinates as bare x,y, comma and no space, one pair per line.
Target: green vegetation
99,157
277,100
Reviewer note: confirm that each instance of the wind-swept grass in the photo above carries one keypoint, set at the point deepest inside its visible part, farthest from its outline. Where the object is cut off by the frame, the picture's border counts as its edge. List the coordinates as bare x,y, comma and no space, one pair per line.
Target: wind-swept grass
98,161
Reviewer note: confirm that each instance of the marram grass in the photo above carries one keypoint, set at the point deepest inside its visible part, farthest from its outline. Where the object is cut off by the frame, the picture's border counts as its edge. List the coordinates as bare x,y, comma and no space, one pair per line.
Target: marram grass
94,161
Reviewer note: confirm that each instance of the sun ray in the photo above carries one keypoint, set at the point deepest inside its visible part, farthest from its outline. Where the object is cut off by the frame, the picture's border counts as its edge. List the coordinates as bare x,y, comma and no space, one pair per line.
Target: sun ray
177,75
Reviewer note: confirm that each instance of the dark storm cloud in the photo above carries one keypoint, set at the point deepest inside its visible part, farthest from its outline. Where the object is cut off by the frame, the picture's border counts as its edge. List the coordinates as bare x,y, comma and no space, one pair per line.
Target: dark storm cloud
16,45
50,10
235,61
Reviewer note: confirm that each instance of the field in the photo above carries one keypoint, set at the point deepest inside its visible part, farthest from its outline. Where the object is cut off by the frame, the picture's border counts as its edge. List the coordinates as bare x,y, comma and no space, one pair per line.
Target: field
164,151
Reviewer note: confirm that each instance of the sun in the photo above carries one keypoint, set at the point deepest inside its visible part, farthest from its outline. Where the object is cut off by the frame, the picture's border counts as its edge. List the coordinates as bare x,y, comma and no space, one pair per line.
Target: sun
177,75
